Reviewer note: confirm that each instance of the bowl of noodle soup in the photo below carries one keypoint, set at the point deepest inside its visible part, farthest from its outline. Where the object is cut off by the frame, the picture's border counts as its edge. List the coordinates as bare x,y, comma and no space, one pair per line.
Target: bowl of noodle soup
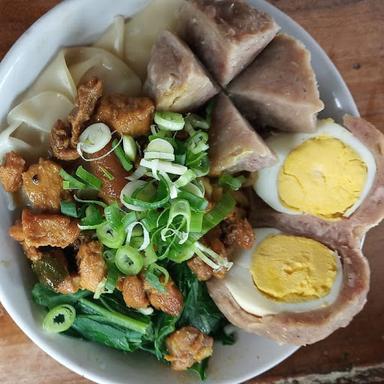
76,40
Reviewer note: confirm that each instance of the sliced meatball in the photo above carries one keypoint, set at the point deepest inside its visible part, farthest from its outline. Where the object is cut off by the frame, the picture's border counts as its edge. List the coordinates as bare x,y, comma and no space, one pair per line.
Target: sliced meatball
127,115
92,267
225,34
188,346
176,80
111,188
87,96
237,231
134,295
45,229
11,171
43,185
170,301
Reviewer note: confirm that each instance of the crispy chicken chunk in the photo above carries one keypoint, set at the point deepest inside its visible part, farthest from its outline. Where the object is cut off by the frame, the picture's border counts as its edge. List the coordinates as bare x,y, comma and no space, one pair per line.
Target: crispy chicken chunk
188,346
87,96
134,295
92,268
65,136
45,229
11,171
237,231
44,186
127,115
60,142
170,301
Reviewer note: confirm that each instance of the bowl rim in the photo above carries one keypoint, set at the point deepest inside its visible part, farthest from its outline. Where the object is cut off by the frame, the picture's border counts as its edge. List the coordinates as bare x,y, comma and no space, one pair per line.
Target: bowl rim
6,70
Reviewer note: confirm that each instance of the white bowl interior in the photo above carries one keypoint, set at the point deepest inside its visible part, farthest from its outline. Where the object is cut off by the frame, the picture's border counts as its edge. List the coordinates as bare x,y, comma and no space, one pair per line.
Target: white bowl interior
84,20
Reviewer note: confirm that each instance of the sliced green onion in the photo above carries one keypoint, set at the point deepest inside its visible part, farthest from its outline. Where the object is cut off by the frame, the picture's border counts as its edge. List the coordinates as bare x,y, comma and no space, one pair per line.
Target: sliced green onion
69,208
184,179
196,221
178,208
109,176
197,121
92,219
139,173
109,255
70,182
129,218
130,229
164,166
194,189
196,202
79,150
96,202
119,152
211,258
130,148
159,155
88,178
128,191
173,191
232,182
109,236
160,145
94,138
59,319
152,275
128,260
150,256
219,212
169,121
198,142
114,215
161,198
112,278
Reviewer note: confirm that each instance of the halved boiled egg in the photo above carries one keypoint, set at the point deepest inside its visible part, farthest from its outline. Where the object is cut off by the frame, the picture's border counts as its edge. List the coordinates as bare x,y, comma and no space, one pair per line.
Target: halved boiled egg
284,273
327,173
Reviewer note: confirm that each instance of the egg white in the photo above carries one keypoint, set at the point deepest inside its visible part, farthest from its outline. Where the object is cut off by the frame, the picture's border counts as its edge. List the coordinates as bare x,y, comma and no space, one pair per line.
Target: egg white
282,144
240,283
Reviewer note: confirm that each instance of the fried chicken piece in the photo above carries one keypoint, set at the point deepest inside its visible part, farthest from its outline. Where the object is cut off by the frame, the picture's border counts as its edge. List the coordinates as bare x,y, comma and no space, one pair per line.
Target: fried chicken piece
127,115
87,96
188,346
202,271
70,285
11,171
65,136
92,267
237,231
134,295
43,185
170,301
60,142
45,229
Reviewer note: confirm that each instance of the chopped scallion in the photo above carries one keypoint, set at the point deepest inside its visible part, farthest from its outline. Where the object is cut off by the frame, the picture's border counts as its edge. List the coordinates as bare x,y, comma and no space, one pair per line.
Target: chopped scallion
69,208
119,152
59,319
88,178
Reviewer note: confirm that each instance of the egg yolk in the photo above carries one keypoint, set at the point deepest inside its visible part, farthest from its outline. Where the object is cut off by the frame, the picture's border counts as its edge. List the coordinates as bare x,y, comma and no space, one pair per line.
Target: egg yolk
323,177
293,269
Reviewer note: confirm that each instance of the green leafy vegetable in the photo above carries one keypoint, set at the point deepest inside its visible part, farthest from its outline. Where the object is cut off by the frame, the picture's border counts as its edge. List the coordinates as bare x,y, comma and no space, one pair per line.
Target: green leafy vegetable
69,208
232,182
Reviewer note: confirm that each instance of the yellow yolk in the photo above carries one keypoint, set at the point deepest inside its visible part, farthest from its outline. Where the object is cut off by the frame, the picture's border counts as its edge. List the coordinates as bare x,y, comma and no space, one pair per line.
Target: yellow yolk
323,177
293,269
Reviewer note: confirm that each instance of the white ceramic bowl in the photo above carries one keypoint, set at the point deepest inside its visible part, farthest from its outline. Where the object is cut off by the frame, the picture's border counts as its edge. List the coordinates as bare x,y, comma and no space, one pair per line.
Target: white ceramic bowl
84,20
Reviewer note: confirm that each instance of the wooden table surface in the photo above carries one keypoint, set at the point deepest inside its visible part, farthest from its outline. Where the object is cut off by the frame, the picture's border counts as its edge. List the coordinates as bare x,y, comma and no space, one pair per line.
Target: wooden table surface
352,33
